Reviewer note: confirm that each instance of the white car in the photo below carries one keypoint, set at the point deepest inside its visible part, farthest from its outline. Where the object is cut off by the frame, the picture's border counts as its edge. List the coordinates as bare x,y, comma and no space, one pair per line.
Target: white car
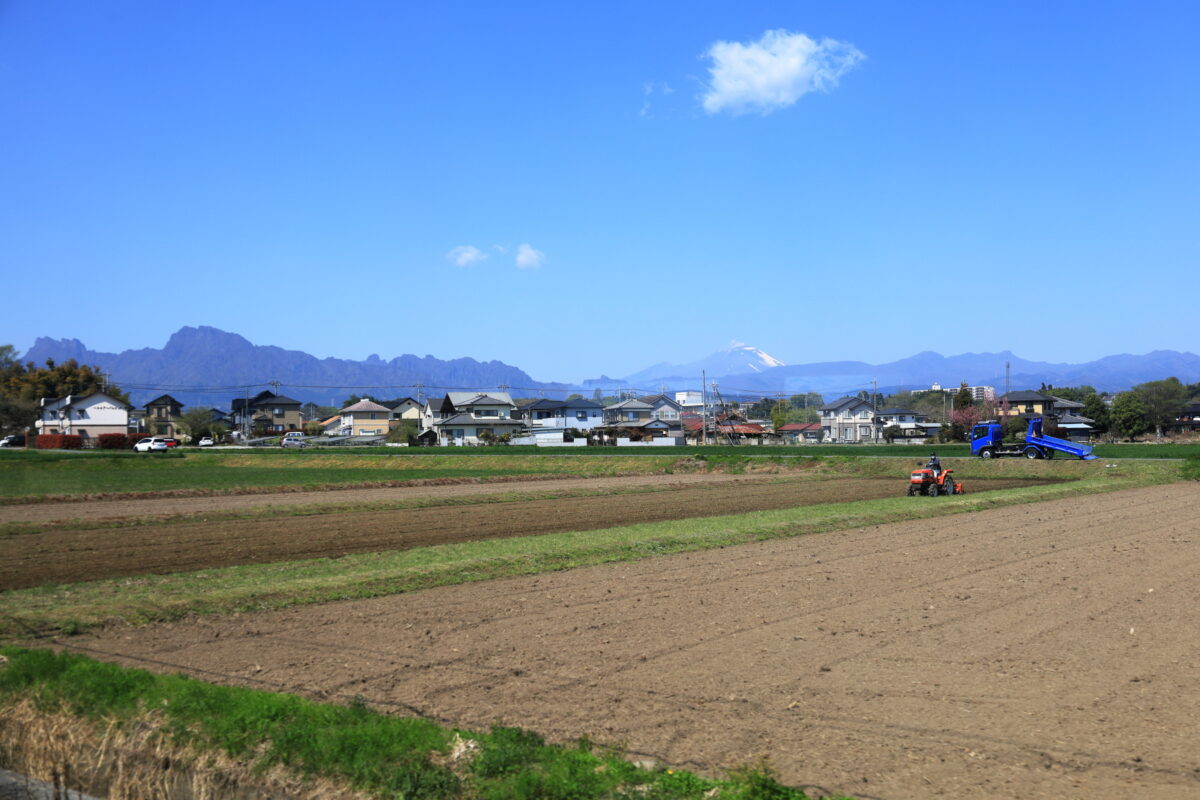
153,444
207,441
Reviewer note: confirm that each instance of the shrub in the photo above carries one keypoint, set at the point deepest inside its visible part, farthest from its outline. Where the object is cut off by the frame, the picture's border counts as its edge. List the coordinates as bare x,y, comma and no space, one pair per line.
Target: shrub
58,441
111,441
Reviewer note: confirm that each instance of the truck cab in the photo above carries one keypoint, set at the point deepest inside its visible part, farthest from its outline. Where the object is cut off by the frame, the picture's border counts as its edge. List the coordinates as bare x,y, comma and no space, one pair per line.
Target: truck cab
986,438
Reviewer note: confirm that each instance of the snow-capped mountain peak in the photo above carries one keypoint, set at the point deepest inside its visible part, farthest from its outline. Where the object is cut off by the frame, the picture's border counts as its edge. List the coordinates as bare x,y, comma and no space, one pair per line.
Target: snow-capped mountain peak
755,360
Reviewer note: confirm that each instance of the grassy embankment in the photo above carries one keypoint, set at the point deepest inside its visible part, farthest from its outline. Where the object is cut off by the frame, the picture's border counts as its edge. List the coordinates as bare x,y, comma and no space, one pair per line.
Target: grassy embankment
70,608
77,717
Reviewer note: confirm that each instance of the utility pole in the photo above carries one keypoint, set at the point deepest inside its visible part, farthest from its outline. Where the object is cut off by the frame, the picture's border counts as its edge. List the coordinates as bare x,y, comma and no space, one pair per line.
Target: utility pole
703,408
419,387
875,410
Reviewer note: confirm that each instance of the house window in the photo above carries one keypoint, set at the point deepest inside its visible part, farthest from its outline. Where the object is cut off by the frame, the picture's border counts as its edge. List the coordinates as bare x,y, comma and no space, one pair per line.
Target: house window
277,412
864,430
581,415
81,413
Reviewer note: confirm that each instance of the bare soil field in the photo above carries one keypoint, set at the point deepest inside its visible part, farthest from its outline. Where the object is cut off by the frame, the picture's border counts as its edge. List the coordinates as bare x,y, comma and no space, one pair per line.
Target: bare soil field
117,509
67,555
1037,651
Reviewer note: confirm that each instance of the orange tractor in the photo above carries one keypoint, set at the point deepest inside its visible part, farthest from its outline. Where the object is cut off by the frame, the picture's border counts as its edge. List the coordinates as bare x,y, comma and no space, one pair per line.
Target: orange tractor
931,483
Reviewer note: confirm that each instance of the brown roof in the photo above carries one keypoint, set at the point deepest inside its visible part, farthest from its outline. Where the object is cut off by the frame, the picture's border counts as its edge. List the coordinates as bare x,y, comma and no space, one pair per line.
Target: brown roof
365,405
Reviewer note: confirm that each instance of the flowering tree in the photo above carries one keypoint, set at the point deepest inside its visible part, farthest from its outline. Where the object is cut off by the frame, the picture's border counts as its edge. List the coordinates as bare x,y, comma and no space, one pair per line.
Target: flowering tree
963,419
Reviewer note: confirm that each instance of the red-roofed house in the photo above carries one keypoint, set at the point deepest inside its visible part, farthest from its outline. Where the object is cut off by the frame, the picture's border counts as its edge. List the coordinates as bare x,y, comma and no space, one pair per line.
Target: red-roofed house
808,432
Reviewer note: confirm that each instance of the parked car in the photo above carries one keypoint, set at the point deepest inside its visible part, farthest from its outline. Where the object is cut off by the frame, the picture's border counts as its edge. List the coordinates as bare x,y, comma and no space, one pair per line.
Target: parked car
13,440
206,441
293,440
171,441
151,444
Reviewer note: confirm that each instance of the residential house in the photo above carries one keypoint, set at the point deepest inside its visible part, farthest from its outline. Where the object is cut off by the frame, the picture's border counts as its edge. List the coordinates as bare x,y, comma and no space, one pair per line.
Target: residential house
662,407
801,432
364,418
1027,404
915,427
467,418
267,413
548,416
628,411
86,415
1188,420
1065,414
403,408
162,416
849,420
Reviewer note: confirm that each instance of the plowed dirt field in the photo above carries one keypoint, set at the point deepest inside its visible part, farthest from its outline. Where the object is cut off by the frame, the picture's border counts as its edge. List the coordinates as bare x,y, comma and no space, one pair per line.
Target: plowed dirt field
1038,651
66,555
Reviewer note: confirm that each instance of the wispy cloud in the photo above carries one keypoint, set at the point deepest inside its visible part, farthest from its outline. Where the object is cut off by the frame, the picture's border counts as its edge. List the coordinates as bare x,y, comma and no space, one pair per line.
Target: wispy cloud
774,72
465,255
529,258
649,89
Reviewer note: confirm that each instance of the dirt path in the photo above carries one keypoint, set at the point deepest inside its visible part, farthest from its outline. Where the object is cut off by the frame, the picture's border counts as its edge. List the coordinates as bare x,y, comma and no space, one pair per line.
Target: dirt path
1039,651
67,555
127,509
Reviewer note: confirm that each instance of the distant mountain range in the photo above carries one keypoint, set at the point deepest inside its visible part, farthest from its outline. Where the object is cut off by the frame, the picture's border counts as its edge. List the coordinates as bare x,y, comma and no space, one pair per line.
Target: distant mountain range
835,378
195,360
205,366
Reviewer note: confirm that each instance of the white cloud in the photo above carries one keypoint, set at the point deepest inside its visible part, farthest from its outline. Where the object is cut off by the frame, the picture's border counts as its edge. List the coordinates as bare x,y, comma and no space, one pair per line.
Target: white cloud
774,72
465,255
499,248
528,258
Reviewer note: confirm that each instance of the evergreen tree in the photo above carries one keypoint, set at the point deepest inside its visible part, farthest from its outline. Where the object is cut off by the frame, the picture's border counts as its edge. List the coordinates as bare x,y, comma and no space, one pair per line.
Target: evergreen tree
1127,417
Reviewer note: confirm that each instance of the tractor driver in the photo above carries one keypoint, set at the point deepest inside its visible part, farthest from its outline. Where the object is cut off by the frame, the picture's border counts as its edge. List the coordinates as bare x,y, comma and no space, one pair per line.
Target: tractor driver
934,464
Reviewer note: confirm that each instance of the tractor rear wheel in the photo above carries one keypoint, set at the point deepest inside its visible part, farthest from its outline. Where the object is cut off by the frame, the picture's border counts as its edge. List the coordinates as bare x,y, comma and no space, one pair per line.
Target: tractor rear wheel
933,490
949,487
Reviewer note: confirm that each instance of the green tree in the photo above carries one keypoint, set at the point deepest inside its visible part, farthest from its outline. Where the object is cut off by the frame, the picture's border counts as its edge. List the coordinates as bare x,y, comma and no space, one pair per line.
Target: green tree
1163,401
891,432
1127,417
196,422
963,398
1095,409
405,432
779,414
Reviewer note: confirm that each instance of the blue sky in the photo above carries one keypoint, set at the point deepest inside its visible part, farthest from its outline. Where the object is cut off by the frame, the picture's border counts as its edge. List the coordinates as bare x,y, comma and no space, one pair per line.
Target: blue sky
577,188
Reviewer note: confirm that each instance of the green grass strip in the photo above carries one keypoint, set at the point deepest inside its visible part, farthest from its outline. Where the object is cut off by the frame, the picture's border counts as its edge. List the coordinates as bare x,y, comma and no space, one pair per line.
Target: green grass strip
70,608
383,755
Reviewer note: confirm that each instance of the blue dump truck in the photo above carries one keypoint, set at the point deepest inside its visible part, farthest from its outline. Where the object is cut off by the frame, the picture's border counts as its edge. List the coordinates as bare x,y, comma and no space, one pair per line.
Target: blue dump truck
987,441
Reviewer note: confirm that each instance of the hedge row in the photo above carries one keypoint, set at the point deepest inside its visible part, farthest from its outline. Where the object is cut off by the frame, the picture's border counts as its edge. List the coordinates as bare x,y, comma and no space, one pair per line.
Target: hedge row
58,441
119,441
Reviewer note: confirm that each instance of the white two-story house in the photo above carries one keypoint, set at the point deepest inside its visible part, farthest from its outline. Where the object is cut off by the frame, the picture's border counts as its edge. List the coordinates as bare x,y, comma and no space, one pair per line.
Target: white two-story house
86,415
849,420
551,416
915,427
